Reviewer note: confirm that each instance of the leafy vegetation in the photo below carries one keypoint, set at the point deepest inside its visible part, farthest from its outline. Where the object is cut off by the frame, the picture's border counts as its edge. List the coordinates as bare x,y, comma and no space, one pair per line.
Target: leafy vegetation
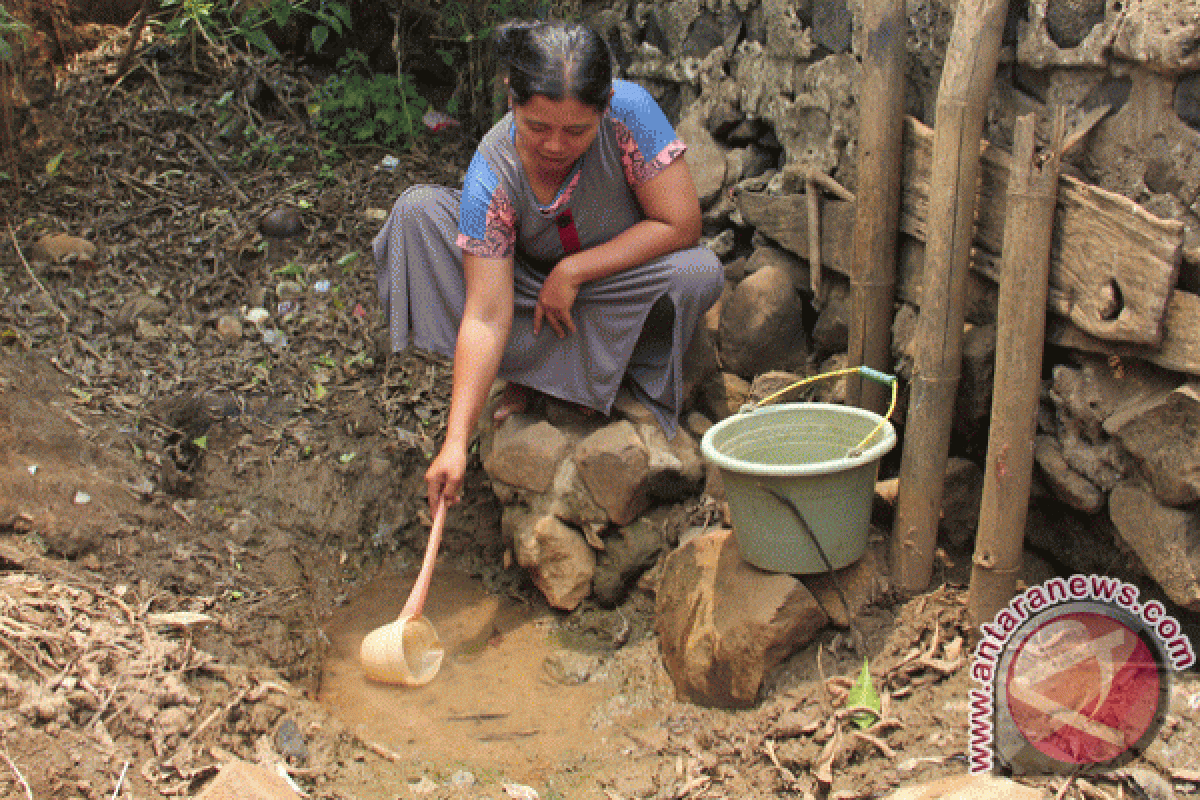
225,23
355,106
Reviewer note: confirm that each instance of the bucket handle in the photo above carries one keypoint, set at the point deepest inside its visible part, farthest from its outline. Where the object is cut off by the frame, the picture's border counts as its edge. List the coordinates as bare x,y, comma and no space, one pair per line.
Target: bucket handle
867,372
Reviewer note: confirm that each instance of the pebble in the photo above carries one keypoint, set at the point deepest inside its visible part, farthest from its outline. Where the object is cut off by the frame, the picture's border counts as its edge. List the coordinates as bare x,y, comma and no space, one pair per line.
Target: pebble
281,223
229,328
462,779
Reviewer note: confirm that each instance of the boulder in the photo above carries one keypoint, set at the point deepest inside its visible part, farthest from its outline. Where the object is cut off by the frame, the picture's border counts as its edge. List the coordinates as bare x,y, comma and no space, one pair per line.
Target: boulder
613,463
626,556
705,158
723,625
831,331
861,584
1163,437
676,469
1161,34
724,393
558,558
1166,541
1067,485
525,453
762,325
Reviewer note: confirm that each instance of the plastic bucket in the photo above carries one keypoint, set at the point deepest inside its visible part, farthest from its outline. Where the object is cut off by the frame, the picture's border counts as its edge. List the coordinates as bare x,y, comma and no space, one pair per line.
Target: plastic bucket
808,453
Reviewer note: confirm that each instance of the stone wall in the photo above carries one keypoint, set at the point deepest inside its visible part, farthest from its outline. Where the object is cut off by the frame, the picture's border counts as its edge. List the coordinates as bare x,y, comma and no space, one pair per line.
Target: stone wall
763,90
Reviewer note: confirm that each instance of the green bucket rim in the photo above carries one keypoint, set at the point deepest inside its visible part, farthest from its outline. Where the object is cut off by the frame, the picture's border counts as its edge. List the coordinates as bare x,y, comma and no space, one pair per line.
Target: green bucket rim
885,441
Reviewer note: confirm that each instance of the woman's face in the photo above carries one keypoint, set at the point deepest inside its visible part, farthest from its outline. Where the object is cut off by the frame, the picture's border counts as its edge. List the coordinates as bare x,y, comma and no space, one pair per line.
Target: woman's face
555,133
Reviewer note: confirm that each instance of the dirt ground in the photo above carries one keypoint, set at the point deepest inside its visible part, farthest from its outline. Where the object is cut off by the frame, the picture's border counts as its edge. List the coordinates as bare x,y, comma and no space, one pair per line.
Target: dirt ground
201,514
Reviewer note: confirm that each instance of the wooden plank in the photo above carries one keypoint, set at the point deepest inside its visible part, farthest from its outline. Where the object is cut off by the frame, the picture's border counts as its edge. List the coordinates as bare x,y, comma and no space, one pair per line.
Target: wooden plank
1112,264
1180,348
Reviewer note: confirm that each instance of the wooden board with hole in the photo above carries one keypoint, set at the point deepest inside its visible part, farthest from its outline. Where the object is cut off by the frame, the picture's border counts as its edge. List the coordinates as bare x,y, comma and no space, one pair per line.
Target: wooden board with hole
1179,350
1112,266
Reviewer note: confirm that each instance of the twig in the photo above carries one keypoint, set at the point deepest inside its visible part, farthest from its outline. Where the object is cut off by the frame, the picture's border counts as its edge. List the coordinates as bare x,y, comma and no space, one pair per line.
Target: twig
1062,790
121,780
212,162
20,778
135,38
219,712
16,246
13,649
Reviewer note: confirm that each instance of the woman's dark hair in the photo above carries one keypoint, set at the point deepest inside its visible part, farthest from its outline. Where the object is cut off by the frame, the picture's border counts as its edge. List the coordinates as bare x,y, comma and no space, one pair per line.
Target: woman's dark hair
556,60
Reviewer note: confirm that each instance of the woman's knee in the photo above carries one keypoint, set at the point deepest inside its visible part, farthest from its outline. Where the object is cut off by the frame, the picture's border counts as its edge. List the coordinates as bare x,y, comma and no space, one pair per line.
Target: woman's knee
419,203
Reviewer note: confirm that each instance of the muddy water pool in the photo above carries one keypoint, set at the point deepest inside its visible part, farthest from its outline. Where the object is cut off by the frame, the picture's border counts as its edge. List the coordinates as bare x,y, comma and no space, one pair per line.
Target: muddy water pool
511,696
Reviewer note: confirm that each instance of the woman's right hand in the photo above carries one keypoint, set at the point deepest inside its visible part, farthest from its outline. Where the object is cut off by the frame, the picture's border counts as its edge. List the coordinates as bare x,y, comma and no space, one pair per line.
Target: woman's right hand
444,478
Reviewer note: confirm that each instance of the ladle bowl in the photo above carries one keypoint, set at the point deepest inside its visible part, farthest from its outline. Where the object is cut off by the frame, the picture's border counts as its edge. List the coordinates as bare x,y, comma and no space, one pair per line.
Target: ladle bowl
407,650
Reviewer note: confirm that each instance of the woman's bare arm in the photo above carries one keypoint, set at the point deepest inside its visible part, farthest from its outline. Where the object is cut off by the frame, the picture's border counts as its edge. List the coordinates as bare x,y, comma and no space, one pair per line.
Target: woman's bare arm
482,337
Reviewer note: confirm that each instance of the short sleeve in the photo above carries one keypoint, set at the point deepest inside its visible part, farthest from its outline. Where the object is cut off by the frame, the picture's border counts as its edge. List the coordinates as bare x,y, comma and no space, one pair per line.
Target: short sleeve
644,135
487,216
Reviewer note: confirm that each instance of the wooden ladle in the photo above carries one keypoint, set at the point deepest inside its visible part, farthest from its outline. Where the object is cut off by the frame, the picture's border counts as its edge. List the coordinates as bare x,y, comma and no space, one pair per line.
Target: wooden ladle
407,650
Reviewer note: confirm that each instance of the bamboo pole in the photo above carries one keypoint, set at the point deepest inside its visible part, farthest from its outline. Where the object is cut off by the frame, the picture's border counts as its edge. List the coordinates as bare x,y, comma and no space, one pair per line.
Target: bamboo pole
1021,326
967,76
877,212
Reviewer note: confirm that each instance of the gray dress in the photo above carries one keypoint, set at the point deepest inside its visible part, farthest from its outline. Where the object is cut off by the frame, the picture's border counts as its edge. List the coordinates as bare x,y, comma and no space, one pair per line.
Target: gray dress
418,254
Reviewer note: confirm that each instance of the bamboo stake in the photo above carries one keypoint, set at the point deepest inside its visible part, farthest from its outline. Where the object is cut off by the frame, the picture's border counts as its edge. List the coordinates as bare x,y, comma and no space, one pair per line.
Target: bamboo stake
877,213
1021,325
967,76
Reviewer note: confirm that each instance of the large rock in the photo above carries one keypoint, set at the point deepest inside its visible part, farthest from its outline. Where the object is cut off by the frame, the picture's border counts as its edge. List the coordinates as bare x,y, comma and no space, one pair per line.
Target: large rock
970,787
723,625
613,463
1163,436
1067,485
1166,541
860,584
558,558
626,556
724,393
762,325
1161,34
676,469
705,158
525,454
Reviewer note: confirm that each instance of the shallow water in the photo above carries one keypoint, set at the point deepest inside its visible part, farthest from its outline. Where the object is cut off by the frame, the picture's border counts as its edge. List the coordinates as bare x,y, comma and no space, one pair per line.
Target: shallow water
492,705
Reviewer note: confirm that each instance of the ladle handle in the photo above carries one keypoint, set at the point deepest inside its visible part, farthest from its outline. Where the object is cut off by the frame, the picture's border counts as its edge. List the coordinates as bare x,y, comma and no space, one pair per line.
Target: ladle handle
416,598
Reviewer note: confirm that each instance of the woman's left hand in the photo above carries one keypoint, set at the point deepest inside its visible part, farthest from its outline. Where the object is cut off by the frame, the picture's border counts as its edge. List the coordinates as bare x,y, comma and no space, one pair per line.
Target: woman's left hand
555,301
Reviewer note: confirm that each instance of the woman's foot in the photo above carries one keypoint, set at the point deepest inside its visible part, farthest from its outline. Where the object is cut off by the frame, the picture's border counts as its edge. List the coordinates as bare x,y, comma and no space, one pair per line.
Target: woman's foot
513,400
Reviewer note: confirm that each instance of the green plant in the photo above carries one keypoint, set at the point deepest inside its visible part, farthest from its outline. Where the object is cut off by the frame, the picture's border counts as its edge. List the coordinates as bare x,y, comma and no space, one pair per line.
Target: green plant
354,106
225,23
12,34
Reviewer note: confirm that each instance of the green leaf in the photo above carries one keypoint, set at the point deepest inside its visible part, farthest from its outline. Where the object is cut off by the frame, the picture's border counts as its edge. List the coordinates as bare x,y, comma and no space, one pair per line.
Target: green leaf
320,34
201,442
281,12
346,458
319,393
348,259
863,694
262,42
291,269
84,397
53,164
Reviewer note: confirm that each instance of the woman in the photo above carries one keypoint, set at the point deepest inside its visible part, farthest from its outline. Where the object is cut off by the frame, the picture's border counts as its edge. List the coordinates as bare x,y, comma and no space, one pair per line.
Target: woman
577,219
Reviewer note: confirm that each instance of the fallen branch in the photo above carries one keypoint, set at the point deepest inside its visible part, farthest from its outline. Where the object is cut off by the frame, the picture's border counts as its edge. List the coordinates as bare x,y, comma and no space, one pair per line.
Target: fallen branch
17,774
16,246
212,162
